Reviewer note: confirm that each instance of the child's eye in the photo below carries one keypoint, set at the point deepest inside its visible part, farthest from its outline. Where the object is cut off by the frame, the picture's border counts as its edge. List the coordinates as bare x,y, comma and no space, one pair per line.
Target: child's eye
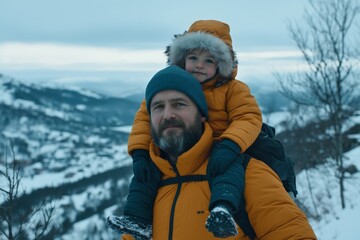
192,57
210,61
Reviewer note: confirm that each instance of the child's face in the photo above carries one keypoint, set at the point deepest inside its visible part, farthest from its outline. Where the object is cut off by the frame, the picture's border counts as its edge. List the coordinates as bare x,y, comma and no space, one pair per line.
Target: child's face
201,64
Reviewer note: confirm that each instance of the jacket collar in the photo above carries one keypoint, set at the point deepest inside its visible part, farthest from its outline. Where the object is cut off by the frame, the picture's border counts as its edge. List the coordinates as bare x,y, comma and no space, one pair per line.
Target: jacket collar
189,161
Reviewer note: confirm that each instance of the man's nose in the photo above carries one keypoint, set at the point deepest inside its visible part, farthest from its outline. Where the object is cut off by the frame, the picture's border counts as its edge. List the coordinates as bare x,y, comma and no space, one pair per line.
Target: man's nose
169,112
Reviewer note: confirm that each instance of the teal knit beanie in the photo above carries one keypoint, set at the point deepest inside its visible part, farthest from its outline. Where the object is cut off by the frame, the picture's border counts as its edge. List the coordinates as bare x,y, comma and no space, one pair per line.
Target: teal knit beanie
175,78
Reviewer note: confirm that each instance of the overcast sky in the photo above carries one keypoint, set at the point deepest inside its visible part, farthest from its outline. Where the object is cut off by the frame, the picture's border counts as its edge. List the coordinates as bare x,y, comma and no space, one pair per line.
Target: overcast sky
111,43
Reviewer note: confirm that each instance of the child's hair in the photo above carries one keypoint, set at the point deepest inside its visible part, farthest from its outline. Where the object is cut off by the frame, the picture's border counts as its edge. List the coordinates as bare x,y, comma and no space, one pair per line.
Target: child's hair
196,50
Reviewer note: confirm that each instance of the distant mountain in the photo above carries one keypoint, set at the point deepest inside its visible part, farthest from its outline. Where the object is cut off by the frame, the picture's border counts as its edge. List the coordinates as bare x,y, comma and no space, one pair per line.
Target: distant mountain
54,128
268,99
136,97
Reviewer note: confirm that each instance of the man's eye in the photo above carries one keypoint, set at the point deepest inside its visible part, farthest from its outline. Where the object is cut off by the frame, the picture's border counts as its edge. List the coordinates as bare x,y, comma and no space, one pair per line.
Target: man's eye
157,107
180,104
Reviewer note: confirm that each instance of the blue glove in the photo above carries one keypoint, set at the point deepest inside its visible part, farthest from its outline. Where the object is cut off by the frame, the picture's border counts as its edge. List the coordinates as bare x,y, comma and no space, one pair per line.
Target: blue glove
143,167
223,154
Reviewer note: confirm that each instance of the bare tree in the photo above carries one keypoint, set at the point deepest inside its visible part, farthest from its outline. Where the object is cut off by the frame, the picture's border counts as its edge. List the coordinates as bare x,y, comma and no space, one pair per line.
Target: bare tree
18,222
330,81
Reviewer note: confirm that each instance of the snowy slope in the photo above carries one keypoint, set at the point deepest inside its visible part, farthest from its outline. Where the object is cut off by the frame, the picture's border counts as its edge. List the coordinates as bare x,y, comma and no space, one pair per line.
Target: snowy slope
335,223
63,134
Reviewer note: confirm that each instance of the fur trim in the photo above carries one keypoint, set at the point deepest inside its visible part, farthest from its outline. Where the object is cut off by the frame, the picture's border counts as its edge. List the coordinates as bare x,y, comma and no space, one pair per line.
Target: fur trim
182,44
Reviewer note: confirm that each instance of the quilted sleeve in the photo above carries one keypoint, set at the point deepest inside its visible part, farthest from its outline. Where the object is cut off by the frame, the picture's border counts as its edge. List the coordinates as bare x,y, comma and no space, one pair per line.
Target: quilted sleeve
272,212
140,136
244,115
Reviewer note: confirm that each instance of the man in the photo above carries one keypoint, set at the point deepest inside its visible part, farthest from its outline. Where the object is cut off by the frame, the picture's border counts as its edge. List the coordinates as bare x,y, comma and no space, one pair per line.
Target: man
182,141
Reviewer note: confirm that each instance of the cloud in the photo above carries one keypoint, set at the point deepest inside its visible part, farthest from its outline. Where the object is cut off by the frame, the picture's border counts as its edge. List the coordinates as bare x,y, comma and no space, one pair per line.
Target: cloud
71,57
270,54
120,70
47,56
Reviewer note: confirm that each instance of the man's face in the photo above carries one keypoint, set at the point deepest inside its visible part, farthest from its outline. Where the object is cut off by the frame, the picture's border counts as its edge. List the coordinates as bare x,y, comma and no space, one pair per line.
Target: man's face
176,123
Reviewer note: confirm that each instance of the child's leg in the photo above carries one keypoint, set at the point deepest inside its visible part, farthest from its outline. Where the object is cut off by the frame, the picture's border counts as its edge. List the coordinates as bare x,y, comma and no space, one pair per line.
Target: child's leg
228,188
143,187
140,200
227,193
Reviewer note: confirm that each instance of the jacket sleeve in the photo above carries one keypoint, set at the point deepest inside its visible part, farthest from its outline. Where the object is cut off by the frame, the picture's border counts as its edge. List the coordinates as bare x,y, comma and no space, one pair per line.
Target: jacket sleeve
244,115
140,136
272,213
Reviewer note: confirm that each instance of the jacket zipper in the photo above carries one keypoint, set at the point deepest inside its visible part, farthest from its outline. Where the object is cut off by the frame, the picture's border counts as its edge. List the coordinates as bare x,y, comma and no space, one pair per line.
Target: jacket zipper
172,213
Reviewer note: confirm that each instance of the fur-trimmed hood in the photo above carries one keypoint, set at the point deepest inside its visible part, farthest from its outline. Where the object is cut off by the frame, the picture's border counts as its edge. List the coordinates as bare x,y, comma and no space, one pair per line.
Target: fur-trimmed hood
210,35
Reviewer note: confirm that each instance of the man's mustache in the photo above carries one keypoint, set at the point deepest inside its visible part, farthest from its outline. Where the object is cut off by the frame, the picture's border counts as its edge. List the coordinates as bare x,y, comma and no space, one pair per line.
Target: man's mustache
171,123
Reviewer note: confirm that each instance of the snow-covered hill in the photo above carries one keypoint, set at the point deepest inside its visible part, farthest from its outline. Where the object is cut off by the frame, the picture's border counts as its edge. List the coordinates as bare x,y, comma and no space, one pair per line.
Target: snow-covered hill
68,141
62,132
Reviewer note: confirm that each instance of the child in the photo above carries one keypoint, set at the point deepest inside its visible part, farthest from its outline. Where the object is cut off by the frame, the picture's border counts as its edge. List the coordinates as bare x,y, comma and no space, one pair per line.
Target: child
205,51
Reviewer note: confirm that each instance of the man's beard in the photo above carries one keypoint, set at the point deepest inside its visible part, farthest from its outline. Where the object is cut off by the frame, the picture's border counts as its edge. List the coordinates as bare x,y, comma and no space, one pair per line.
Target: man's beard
175,143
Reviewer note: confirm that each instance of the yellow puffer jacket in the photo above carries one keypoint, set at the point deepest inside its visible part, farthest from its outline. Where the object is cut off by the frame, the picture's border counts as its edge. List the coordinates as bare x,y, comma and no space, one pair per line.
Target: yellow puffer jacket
272,213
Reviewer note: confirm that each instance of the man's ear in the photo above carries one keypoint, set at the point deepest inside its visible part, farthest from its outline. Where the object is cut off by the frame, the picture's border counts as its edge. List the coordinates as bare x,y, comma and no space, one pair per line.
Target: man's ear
203,119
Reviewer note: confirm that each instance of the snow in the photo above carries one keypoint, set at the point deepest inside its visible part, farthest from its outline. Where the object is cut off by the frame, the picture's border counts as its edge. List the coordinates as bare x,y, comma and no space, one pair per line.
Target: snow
78,201
83,168
343,227
6,96
126,129
336,223
7,99
81,107
274,119
81,91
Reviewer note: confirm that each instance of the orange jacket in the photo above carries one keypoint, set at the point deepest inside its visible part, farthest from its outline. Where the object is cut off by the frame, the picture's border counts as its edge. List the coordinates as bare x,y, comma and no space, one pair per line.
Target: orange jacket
272,213
233,114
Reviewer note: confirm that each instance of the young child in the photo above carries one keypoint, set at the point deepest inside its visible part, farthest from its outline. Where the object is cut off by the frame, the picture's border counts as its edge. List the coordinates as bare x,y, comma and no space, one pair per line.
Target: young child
205,50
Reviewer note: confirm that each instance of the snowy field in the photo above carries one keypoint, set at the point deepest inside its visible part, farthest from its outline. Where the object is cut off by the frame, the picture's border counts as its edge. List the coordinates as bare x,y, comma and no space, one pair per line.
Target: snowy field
336,223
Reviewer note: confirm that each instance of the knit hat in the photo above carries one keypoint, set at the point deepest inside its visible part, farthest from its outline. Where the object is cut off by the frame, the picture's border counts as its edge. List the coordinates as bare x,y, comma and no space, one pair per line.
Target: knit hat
211,35
175,78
